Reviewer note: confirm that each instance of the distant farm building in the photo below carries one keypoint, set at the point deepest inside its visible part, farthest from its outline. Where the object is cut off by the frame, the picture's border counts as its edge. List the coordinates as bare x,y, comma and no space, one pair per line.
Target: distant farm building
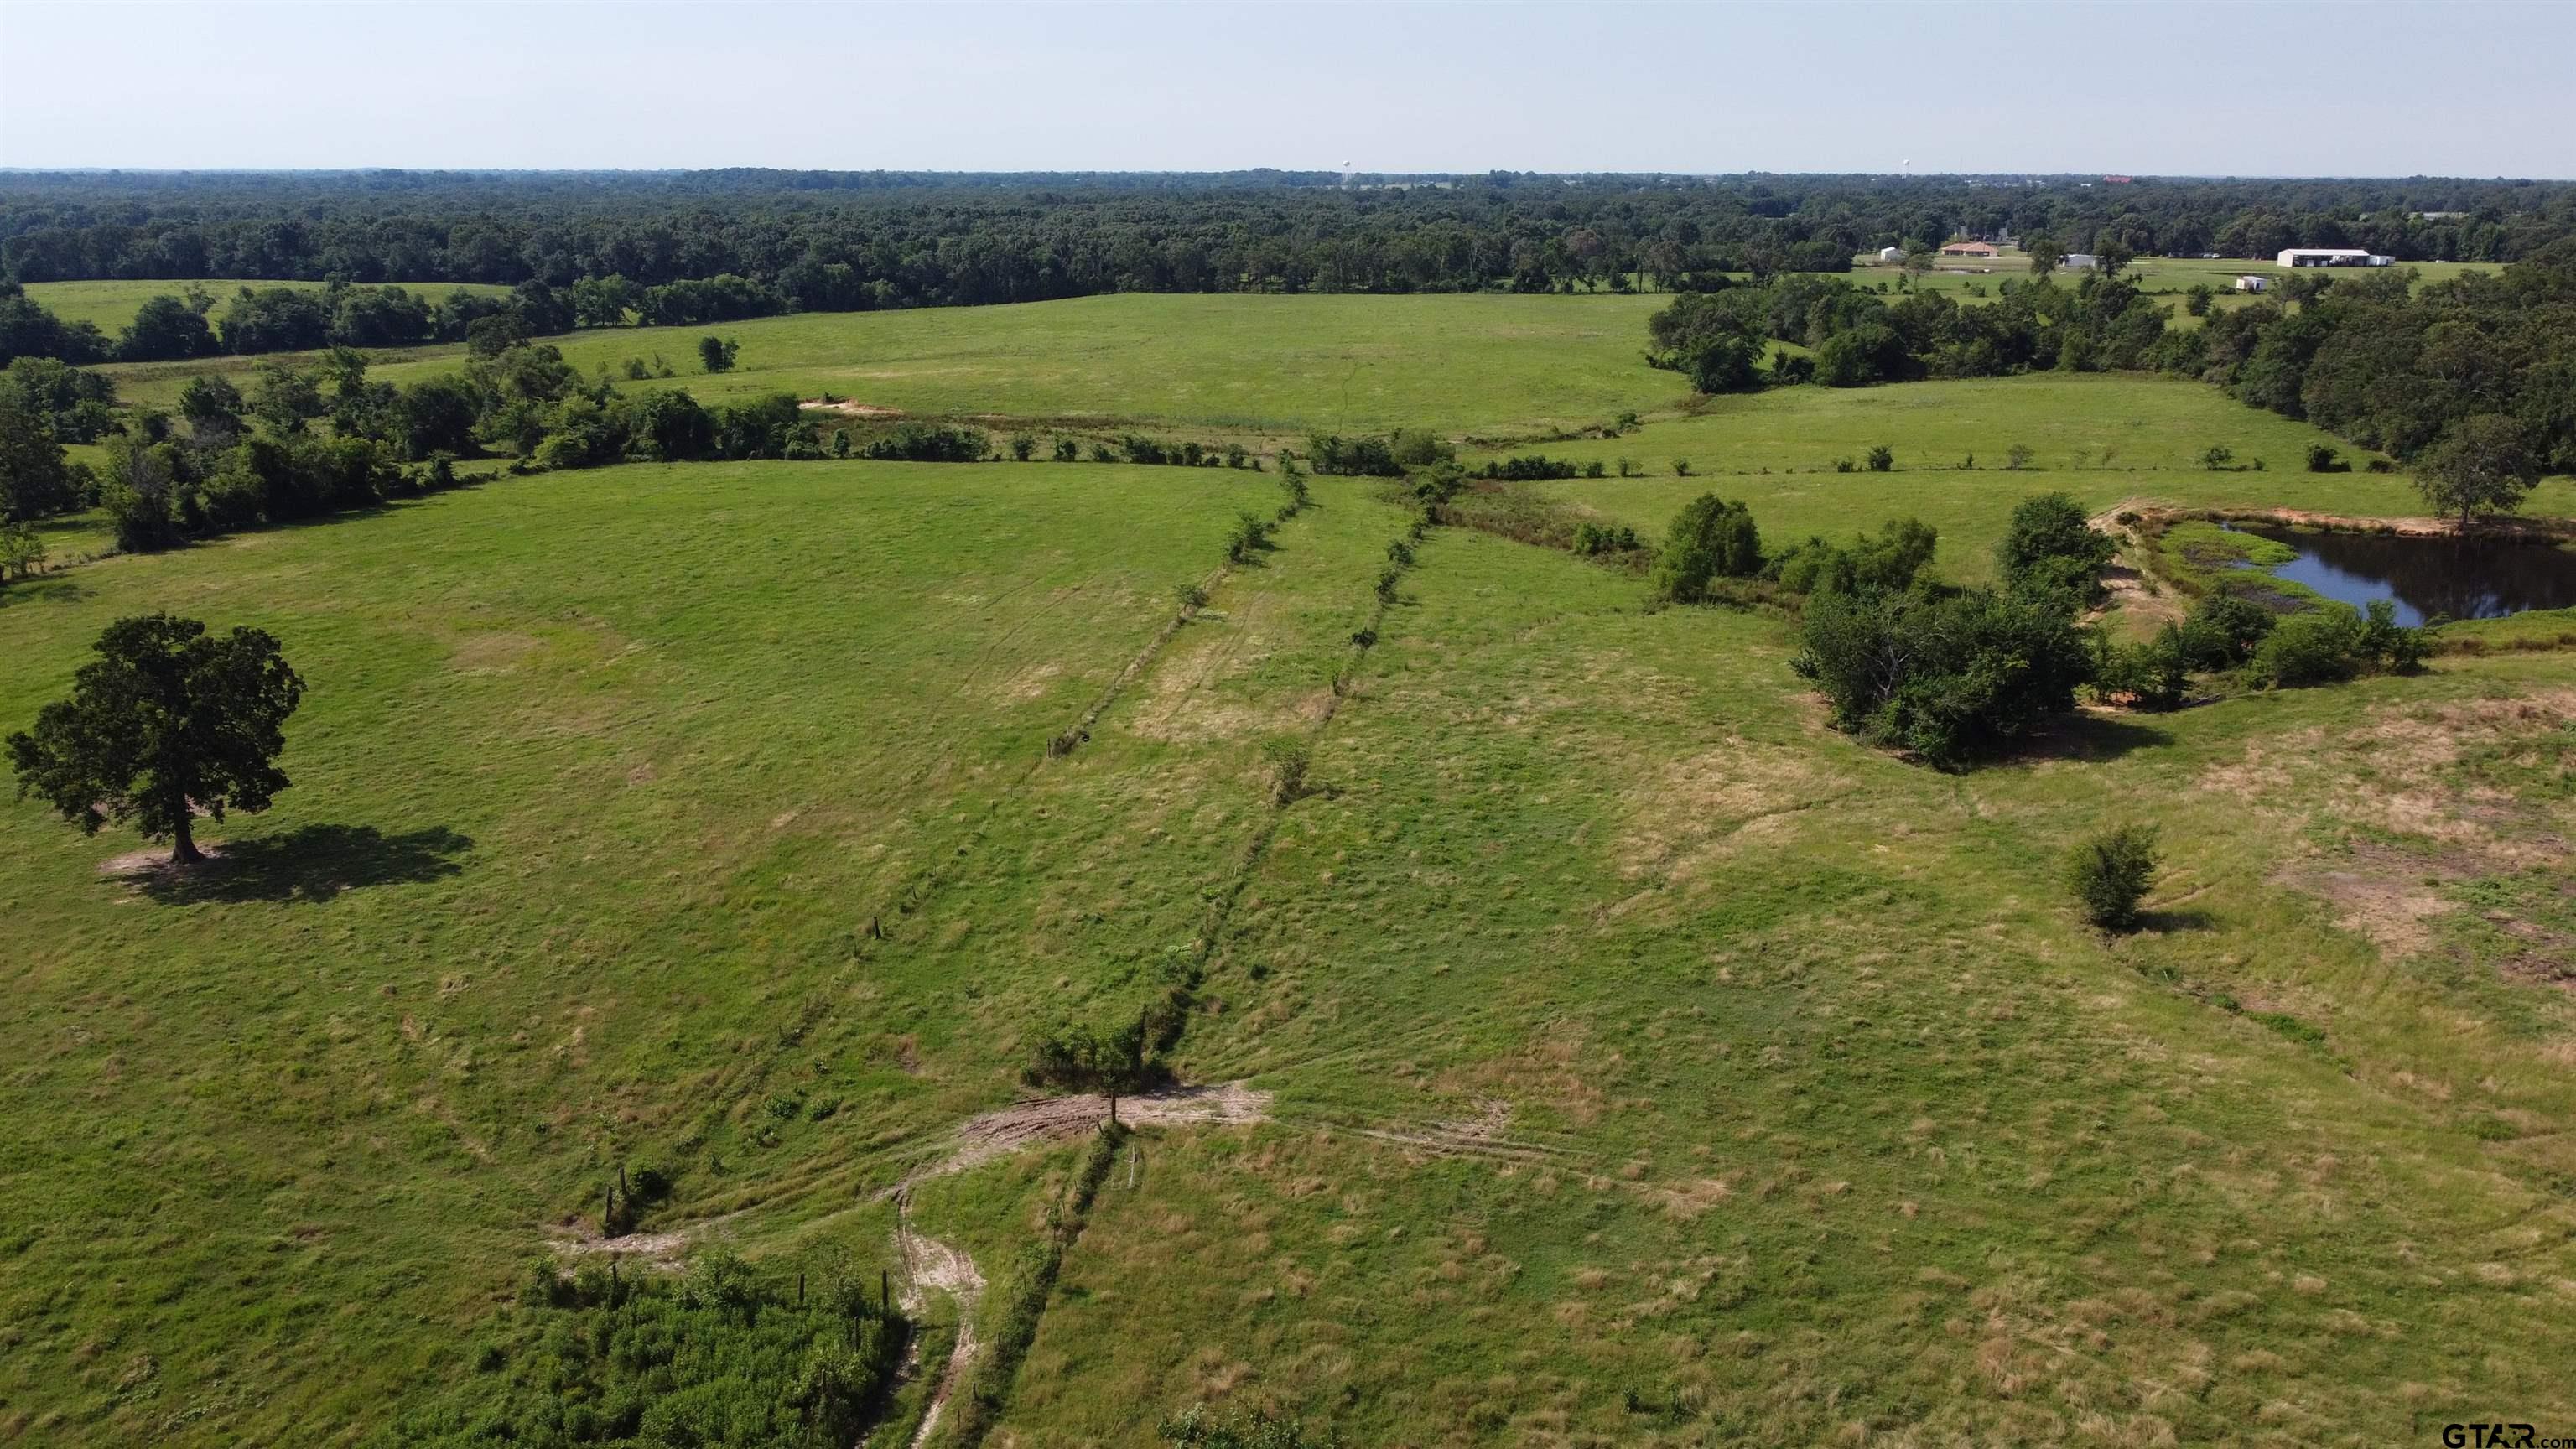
1967,249
1891,254
2332,257
2251,283
2079,261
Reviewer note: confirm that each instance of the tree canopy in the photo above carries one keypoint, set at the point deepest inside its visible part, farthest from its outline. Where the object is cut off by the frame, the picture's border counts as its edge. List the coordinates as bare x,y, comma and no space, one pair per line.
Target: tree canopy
167,721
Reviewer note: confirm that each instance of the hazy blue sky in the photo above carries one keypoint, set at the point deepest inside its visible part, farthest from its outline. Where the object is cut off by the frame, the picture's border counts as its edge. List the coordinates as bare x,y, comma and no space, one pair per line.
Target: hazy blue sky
2462,88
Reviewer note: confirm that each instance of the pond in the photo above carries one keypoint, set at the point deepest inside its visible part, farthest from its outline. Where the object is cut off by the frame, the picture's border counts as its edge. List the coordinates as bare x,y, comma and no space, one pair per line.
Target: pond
2462,578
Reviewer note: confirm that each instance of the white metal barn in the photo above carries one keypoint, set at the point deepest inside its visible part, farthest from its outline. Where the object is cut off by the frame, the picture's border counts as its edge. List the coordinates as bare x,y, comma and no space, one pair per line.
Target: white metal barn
2332,257
1891,254
2079,261
2251,283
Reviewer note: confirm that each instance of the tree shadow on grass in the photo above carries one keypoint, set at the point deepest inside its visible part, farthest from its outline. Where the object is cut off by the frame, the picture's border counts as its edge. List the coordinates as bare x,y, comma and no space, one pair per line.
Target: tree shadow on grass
310,863
43,588
2162,922
2092,737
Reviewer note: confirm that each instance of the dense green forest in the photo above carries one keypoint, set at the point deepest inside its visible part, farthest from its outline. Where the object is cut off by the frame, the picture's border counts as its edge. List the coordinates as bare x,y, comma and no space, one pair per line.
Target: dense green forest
837,241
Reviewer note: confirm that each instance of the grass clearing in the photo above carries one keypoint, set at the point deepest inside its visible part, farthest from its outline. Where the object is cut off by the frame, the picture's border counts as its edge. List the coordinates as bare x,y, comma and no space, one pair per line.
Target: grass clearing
1493,365
1647,1063
112,304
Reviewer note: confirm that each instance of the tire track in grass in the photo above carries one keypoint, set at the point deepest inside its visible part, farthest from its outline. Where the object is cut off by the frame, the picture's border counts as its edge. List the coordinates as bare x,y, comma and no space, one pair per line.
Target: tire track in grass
991,1401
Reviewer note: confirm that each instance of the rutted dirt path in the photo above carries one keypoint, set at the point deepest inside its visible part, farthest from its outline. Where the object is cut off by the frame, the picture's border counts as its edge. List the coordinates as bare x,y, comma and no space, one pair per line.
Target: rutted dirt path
930,1265
999,1134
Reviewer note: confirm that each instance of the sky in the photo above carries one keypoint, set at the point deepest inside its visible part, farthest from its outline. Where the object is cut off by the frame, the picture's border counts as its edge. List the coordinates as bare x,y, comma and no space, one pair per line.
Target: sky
2244,89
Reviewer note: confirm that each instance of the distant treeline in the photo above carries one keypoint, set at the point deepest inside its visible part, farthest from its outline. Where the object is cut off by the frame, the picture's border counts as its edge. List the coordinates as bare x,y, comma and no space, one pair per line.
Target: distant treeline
822,241
2363,353
339,314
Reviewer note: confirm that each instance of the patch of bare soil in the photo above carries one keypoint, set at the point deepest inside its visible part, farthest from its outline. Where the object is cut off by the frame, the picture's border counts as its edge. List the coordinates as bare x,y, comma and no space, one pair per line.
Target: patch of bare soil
849,409
929,1266
999,1134
2409,784
2379,893
155,862
661,1251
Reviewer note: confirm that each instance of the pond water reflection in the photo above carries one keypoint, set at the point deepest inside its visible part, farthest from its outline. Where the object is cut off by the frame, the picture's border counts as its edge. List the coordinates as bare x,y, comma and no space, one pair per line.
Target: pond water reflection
2463,578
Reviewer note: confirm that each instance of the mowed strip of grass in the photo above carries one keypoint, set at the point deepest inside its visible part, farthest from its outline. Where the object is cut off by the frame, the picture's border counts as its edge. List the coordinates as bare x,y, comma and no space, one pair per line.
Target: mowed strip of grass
599,780
1653,1065
2106,438
112,304
1499,365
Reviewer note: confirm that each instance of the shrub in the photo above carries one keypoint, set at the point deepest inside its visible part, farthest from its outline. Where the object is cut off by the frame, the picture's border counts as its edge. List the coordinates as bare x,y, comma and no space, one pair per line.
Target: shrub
1023,445
1889,559
2110,874
2216,456
1948,675
1068,451
2222,631
1881,458
1289,762
2149,676
2324,459
1592,539
2017,457
1710,538
1532,469
714,1357
1250,535
1681,467
1387,457
2050,548
717,354
1845,465
1243,1429
2321,646
2390,644
1593,469
1191,596
925,443
2318,646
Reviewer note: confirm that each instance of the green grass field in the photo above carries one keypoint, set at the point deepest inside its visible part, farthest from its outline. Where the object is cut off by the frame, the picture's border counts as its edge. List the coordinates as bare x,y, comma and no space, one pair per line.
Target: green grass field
2104,438
1493,365
112,304
1648,1064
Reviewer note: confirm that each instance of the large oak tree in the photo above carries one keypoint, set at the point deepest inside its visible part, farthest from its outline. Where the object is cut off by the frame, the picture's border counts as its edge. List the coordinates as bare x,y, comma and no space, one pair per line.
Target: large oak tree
168,720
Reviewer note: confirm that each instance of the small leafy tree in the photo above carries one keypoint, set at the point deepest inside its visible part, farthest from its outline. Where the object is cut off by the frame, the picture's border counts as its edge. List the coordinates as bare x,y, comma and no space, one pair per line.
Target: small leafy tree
166,721
1078,1057
1022,445
1710,538
2051,546
716,354
2485,464
2222,631
1882,458
2217,456
2110,874
22,551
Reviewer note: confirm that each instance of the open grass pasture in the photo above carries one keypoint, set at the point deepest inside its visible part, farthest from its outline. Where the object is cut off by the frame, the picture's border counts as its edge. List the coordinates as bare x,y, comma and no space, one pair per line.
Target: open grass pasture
600,781
1487,365
1645,1062
112,304
2105,438
1654,1066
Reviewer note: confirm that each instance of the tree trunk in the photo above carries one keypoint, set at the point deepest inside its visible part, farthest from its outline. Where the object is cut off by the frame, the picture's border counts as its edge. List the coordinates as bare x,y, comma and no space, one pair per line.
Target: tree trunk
183,845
